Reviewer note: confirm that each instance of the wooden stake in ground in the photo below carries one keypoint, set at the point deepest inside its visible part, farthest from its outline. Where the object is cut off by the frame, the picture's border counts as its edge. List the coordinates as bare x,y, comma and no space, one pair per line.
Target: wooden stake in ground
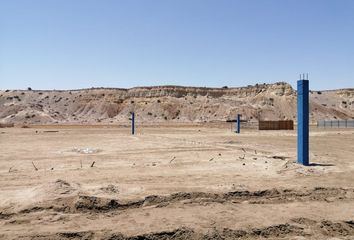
93,163
35,166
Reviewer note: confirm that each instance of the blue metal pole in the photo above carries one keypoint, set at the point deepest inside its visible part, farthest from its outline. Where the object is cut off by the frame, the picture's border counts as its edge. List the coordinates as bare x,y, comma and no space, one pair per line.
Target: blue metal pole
303,122
238,123
133,123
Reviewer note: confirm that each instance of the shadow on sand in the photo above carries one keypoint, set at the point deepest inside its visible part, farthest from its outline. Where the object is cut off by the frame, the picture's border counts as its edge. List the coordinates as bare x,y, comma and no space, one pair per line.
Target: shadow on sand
321,165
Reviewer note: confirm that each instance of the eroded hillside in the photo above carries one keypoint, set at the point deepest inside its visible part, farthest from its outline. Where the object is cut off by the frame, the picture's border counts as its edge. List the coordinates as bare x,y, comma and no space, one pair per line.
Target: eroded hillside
169,103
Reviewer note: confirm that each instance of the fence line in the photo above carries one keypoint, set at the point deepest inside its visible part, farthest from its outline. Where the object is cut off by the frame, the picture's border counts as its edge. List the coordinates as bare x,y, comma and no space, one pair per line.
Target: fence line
335,123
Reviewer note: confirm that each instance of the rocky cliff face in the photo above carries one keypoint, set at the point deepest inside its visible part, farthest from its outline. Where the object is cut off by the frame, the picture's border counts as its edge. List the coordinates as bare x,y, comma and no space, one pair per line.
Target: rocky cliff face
169,103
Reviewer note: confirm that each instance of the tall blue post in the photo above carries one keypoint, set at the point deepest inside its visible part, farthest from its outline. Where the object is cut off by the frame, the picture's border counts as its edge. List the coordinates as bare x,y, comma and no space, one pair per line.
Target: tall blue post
238,123
303,122
133,123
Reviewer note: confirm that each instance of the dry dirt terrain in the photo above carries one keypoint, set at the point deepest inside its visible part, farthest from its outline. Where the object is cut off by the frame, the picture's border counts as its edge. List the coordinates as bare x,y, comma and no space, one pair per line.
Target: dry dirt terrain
174,182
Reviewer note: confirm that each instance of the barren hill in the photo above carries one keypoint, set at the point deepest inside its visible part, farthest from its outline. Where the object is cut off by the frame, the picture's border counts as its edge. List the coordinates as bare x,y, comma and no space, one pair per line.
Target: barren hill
169,103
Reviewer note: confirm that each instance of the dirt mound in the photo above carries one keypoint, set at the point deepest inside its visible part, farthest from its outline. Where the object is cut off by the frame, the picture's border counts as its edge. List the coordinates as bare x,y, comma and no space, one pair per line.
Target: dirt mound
98,207
83,203
322,229
63,235
109,189
256,197
177,234
278,231
303,221
5,215
56,188
337,229
62,187
36,198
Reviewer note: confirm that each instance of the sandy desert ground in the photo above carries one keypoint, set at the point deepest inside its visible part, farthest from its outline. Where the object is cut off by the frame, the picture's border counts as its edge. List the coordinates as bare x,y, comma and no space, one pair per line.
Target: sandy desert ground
174,182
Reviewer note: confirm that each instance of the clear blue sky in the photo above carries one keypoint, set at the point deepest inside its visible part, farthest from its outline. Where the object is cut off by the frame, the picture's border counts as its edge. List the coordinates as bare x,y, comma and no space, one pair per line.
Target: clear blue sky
67,44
